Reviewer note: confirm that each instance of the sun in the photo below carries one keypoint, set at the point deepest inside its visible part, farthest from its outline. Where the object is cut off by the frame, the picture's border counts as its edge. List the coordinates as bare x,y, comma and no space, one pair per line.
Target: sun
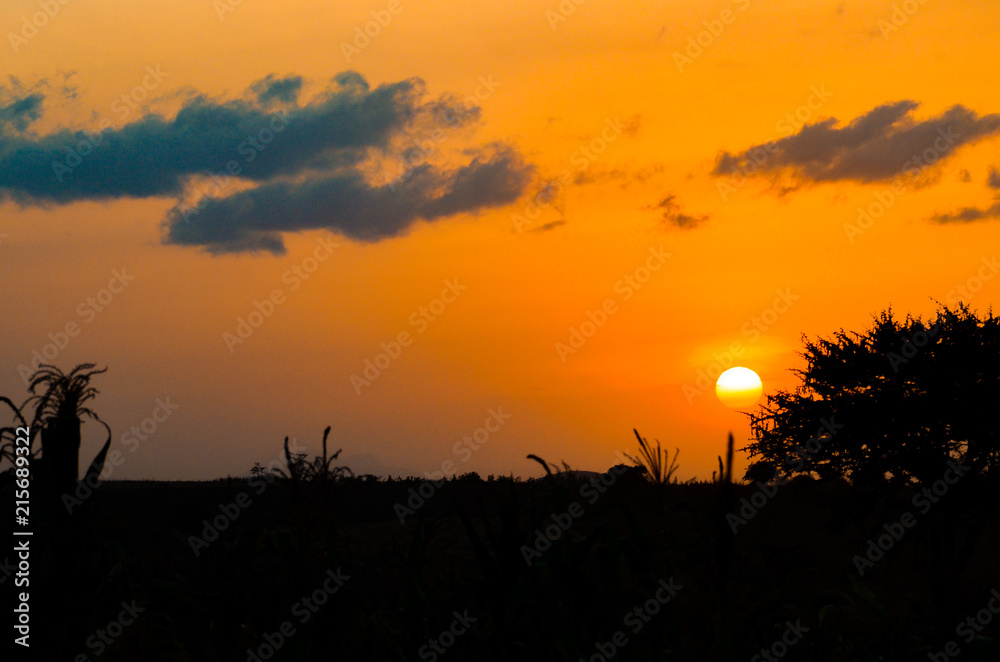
739,387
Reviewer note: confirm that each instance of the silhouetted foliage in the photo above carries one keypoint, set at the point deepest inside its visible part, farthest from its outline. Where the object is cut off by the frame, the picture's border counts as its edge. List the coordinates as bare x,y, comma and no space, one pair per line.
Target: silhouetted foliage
897,402
301,470
60,402
658,466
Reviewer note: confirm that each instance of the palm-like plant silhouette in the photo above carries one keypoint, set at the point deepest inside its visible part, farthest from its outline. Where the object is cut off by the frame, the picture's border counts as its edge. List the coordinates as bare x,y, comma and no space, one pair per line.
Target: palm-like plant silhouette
59,412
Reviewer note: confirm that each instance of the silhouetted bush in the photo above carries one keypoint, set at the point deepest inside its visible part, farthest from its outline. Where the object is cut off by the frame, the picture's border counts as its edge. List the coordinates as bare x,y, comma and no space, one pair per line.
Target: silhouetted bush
898,401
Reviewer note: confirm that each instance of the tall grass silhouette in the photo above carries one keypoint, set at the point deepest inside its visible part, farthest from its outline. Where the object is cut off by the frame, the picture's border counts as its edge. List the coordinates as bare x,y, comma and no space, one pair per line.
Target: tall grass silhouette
659,466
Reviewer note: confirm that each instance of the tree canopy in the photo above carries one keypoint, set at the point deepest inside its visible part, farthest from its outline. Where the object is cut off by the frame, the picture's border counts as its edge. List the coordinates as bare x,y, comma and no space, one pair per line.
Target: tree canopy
898,401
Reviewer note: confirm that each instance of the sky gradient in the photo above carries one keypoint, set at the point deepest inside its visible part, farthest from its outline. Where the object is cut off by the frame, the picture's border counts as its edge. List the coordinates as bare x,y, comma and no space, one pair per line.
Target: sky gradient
477,231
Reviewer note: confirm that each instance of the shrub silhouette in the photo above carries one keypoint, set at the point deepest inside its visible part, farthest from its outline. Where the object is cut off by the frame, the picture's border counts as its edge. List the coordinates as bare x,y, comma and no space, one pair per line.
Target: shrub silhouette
658,469
896,402
60,406
301,470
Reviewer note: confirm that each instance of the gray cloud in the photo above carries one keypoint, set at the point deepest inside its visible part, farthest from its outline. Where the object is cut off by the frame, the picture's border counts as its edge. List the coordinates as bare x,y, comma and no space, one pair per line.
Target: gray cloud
281,89
306,162
993,178
675,216
18,113
969,214
882,144
548,227
155,157
253,220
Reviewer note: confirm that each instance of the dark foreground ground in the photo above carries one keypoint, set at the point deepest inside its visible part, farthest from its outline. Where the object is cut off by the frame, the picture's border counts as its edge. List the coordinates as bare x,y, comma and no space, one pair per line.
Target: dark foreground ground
553,569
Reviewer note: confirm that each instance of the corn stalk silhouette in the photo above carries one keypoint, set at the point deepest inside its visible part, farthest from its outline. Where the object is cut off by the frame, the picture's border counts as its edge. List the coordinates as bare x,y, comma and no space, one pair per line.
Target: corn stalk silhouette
60,402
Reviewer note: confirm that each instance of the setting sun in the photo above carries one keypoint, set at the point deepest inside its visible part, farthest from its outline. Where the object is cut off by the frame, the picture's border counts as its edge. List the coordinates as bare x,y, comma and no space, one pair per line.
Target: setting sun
739,387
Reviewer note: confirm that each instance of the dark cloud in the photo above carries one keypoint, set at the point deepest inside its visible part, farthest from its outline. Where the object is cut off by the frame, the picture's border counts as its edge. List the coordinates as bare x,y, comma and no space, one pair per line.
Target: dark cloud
993,178
549,226
626,176
155,156
881,144
271,88
969,214
17,114
348,204
19,107
675,216
964,176
309,164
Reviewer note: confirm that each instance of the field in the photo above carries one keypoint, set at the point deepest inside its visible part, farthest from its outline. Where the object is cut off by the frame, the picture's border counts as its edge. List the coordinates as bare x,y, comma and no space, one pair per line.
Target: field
567,567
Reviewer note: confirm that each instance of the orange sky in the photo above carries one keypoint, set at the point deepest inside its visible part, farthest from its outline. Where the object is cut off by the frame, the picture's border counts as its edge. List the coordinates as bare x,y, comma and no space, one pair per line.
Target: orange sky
615,104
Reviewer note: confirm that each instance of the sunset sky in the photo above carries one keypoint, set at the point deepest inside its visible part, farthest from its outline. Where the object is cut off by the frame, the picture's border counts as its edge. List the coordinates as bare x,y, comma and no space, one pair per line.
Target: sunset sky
466,191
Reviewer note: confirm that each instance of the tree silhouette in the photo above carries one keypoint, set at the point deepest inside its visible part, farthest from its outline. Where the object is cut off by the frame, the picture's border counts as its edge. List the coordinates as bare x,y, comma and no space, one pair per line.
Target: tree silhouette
898,402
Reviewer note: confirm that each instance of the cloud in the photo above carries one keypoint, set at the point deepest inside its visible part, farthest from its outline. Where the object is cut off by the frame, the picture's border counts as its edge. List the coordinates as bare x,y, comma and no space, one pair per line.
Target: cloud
673,214
969,214
993,178
284,166
18,107
253,220
549,226
880,145
281,89
625,175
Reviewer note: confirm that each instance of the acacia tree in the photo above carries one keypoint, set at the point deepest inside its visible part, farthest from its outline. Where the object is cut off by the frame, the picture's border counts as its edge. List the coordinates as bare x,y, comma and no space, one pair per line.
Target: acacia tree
899,401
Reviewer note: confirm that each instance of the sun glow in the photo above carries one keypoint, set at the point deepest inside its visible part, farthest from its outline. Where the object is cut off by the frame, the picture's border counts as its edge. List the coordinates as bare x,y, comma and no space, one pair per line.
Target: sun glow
739,387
